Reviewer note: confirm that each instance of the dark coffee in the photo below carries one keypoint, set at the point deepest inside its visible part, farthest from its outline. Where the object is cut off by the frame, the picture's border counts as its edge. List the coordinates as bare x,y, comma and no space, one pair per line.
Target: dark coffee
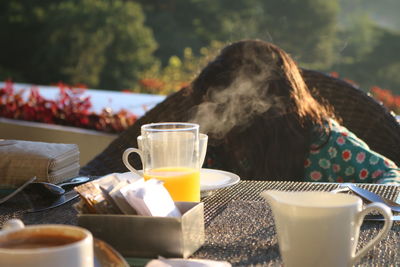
22,240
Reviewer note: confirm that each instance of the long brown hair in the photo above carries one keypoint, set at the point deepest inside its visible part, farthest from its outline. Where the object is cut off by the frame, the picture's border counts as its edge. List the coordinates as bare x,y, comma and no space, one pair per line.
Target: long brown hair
273,141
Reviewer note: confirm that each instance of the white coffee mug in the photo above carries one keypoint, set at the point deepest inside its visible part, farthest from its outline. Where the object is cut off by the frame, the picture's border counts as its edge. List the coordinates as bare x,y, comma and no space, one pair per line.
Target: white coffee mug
46,245
321,228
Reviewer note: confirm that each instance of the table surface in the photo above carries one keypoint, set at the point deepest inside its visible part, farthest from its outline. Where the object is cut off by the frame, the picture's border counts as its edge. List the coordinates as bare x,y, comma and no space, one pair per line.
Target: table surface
239,225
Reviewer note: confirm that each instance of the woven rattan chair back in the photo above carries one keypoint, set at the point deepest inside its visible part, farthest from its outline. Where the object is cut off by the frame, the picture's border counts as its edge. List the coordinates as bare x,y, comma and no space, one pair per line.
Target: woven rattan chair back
359,112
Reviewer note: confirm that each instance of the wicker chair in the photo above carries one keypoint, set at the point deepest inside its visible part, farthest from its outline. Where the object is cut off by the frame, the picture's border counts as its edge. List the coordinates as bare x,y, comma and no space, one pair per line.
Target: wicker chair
359,112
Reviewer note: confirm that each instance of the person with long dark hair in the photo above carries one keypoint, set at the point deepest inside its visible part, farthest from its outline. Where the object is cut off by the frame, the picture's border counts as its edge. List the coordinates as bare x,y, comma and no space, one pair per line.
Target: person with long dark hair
253,99
262,122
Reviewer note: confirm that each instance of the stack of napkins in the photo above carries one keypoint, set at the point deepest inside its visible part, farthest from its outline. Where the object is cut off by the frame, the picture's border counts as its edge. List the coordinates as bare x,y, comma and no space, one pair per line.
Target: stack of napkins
49,162
115,194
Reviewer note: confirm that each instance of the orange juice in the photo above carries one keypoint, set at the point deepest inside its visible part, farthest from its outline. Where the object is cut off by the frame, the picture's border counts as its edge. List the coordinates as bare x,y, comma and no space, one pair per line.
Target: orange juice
182,183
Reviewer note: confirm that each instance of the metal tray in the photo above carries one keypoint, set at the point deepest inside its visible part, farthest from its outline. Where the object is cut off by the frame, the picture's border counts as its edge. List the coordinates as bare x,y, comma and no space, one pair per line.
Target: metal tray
143,236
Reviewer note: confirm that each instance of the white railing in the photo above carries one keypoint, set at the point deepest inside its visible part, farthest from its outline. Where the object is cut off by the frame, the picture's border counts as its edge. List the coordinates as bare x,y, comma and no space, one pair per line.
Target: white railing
136,103
90,142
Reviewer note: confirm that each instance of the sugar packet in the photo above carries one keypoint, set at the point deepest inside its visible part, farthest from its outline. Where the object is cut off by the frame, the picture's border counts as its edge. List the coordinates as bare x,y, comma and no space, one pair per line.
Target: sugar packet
119,198
95,195
150,198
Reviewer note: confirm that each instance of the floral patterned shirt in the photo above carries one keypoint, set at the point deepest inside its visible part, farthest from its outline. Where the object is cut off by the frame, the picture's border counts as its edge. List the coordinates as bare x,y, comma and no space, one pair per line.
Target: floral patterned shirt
343,157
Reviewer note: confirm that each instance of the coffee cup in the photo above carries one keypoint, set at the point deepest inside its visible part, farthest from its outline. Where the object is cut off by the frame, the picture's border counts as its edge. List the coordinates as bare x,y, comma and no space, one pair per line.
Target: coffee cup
322,228
45,245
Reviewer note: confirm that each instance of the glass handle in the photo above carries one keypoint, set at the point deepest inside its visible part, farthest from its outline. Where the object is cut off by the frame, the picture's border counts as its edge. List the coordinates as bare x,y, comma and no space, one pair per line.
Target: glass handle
125,156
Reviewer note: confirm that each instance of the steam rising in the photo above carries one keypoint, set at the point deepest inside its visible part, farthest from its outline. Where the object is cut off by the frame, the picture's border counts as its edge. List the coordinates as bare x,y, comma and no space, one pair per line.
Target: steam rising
236,105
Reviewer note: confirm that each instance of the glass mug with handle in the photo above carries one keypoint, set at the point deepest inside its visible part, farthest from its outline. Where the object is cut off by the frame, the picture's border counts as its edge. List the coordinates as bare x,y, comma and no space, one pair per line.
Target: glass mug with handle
203,141
170,152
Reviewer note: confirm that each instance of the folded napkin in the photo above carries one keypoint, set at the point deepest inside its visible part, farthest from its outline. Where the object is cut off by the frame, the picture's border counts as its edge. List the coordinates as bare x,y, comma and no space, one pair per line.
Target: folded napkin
49,162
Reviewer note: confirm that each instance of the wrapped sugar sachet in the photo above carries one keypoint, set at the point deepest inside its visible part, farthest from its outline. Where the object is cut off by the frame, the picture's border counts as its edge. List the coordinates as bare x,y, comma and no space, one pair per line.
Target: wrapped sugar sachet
95,195
150,198
120,200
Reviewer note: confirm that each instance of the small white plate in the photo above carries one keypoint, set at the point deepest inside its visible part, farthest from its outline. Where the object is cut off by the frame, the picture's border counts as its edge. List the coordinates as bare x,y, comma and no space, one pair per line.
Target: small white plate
210,179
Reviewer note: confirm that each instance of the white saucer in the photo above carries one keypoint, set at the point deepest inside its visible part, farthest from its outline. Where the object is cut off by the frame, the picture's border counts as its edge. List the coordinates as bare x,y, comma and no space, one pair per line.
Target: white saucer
105,255
210,179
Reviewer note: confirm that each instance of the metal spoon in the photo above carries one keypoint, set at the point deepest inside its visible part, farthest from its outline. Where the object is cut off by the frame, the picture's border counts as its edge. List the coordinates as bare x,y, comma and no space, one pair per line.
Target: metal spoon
52,190
367,195
16,191
372,197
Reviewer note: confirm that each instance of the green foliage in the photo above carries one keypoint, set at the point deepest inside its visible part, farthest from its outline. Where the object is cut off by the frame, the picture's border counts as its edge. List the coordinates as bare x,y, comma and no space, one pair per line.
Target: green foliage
158,45
178,73
379,66
358,39
178,24
195,23
369,40
132,47
98,43
306,29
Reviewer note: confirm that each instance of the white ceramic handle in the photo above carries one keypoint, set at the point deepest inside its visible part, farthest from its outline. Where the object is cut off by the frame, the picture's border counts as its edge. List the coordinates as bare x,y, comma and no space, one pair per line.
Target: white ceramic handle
13,224
126,161
387,214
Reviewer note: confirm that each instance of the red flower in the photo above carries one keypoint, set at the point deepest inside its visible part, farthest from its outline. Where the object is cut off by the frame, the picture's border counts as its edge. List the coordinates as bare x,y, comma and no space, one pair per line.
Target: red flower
336,167
71,108
152,83
334,74
363,174
360,157
307,163
377,173
346,155
387,163
315,176
340,140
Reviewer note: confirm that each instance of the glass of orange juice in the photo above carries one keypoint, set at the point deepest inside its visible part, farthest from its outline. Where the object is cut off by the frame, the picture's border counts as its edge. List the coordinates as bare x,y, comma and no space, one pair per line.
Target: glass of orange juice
170,152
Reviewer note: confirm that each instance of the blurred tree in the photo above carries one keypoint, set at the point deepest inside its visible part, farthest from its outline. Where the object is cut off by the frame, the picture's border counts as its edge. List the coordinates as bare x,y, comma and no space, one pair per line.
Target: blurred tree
384,13
132,48
18,22
305,28
176,25
109,44
99,43
358,38
369,40
178,73
377,66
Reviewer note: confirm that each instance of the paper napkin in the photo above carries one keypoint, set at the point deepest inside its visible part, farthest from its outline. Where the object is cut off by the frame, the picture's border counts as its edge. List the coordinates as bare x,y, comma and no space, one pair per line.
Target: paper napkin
49,162
150,198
